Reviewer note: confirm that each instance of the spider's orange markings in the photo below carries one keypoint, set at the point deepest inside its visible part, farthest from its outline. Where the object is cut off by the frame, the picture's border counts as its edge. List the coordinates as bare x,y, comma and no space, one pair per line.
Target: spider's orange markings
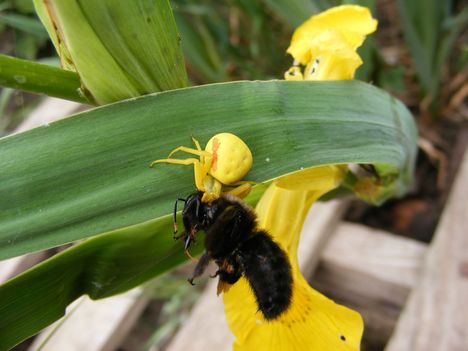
214,163
224,162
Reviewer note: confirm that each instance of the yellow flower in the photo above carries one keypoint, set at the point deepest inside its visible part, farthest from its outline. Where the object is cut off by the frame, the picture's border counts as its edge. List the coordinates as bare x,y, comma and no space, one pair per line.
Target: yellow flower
325,46
312,322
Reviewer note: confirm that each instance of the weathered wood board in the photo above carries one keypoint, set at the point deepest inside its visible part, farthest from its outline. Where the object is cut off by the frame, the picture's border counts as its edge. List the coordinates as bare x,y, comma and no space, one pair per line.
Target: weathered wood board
371,271
436,315
14,266
93,325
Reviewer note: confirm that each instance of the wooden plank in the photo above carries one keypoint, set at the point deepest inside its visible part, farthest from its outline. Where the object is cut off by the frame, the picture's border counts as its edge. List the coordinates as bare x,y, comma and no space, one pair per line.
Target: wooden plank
206,328
319,225
49,110
436,315
371,271
94,325
372,262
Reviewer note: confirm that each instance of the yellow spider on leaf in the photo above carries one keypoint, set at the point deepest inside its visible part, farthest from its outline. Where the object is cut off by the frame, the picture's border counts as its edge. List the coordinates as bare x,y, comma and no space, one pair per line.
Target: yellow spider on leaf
224,162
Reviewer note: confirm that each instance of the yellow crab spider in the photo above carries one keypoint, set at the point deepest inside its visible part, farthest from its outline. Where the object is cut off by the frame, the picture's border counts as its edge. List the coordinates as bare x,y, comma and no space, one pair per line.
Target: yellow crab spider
225,161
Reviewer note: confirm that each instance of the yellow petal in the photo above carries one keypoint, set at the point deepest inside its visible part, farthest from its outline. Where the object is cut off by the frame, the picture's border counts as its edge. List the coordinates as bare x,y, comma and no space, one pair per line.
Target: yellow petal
312,322
355,22
319,179
332,58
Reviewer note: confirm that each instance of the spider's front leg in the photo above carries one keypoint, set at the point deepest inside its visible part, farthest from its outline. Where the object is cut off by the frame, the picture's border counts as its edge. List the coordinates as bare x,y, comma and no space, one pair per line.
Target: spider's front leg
176,161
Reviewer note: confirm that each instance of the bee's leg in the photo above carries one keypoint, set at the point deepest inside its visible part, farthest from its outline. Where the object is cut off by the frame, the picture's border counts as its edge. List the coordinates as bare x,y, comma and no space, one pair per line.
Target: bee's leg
189,239
228,277
215,275
228,272
226,280
187,253
200,267
181,235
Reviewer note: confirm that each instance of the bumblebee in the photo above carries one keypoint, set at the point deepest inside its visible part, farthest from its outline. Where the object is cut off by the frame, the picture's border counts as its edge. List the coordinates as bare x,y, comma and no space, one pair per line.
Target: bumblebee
239,248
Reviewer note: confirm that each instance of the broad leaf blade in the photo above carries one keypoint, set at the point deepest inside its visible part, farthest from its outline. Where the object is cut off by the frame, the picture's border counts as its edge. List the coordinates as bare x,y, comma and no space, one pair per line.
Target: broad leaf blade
89,174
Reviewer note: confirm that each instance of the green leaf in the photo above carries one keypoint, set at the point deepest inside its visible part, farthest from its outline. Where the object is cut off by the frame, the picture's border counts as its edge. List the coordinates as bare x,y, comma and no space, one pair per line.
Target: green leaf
89,174
414,16
453,27
23,6
37,78
120,48
200,48
24,23
431,28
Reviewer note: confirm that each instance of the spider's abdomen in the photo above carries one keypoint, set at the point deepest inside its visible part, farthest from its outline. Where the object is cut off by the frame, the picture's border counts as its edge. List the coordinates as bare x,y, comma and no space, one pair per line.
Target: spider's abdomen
232,158
267,269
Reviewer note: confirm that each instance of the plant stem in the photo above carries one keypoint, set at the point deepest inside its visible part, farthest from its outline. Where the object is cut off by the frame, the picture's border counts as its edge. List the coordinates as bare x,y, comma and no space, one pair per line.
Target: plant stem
38,78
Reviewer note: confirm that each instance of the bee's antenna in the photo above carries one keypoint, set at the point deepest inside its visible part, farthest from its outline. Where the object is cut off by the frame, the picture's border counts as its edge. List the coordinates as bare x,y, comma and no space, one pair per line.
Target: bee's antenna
174,217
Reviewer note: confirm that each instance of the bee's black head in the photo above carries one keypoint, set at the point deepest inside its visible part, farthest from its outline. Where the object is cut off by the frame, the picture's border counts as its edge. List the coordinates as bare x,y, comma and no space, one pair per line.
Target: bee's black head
193,213
196,215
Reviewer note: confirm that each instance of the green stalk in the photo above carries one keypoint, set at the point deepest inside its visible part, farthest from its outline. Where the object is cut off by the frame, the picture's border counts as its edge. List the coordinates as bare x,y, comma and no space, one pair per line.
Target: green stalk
38,78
